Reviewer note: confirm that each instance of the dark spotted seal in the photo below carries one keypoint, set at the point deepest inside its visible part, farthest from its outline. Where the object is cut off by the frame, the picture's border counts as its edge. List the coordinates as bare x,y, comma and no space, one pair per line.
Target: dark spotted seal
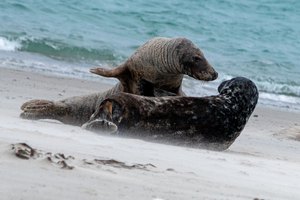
161,62
212,122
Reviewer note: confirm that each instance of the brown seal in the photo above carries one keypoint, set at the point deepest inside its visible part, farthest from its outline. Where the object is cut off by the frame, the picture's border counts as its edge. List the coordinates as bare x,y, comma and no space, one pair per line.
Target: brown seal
161,62
212,122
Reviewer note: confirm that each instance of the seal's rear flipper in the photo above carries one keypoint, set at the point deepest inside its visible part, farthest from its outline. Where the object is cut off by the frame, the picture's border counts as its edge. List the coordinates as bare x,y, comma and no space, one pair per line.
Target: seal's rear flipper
43,109
130,84
117,72
121,72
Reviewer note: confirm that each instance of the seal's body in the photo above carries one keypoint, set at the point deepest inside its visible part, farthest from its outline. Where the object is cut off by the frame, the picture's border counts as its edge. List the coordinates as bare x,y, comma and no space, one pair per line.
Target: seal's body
161,62
212,122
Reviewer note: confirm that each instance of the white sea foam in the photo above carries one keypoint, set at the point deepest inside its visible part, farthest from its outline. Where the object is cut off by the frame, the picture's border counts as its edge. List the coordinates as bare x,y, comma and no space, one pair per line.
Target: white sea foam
280,100
7,45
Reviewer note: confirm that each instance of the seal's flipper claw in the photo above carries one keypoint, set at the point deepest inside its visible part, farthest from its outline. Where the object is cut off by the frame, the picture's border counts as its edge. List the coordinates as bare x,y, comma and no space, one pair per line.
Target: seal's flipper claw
36,114
30,115
100,125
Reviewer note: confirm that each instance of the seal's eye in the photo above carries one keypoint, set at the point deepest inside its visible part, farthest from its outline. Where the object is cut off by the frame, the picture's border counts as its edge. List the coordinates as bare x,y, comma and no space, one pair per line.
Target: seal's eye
198,59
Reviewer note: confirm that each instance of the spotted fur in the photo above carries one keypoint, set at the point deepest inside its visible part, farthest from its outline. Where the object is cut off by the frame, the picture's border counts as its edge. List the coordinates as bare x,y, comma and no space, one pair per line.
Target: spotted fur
212,122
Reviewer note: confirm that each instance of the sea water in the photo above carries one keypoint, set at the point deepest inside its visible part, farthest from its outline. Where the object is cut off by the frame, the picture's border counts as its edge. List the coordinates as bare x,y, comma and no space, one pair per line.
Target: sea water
259,40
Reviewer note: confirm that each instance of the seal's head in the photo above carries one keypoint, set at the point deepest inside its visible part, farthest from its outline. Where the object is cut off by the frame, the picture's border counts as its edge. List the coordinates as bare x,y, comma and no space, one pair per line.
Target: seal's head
193,62
241,88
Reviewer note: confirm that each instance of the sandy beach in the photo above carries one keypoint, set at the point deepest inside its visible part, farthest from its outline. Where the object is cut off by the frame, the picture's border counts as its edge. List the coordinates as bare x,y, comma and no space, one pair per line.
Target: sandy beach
263,163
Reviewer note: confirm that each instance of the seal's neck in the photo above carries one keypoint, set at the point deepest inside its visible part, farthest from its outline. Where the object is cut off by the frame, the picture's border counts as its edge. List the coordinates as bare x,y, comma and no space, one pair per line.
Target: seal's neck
239,104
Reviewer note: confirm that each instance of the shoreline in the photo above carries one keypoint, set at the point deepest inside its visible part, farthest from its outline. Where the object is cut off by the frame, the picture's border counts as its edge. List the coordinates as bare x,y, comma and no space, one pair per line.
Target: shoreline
262,163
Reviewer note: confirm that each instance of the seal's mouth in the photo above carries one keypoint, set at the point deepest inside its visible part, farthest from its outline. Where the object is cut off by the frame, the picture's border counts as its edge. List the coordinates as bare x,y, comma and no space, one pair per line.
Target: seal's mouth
206,73
213,76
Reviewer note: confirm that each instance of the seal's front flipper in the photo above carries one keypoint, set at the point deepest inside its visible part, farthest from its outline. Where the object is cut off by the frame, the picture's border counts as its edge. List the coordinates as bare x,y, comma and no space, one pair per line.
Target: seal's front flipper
43,109
100,125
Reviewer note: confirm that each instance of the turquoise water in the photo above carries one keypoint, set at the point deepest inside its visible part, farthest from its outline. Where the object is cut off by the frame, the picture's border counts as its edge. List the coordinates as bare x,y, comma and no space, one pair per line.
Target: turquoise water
256,39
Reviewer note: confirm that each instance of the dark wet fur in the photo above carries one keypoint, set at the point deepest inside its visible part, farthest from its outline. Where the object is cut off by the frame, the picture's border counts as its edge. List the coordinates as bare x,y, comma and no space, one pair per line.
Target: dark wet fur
212,122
